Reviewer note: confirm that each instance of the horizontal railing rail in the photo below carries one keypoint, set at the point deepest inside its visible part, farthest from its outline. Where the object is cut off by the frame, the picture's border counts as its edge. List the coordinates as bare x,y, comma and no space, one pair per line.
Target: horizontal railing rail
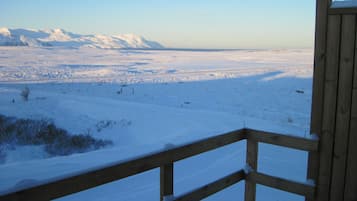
299,188
214,187
299,143
165,160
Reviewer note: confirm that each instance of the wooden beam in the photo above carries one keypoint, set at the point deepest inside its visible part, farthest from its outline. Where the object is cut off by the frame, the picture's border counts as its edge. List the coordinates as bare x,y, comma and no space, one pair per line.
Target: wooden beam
319,65
351,173
93,178
345,83
342,11
355,73
354,104
283,140
282,184
329,108
318,81
166,180
212,188
252,161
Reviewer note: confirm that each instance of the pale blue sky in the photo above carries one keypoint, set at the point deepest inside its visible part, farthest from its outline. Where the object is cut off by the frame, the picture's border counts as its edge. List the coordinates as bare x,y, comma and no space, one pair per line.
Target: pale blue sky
174,23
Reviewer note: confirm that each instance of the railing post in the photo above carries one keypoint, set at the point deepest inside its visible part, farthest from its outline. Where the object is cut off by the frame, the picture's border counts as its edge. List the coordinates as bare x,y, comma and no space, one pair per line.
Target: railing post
252,161
166,180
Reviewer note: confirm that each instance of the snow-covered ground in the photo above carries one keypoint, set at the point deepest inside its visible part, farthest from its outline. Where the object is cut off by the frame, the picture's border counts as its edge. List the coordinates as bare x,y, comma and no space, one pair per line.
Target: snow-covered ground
152,100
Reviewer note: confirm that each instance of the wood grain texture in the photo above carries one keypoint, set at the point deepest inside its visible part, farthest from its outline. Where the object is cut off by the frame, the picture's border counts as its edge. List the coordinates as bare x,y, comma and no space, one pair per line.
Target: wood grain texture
252,161
351,171
318,82
319,65
345,82
355,73
342,11
166,180
354,106
329,108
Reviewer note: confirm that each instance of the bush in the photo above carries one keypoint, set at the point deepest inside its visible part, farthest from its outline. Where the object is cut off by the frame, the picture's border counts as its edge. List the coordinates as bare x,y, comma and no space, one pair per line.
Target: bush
25,94
67,145
57,141
2,155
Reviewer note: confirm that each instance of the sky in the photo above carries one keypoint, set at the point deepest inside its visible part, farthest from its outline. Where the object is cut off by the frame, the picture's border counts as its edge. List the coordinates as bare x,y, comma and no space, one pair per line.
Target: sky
227,24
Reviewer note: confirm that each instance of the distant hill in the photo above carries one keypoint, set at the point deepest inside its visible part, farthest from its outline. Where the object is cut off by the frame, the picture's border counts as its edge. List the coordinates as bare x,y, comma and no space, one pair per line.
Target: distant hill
62,38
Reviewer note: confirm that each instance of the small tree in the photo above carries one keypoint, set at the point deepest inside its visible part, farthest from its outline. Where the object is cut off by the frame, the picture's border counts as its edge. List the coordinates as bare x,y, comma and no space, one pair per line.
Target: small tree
25,93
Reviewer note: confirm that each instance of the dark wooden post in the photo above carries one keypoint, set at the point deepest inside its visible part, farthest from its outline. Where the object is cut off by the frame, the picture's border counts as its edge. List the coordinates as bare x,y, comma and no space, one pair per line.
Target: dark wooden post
318,87
166,180
318,82
351,171
343,110
252,161
334,103
329,105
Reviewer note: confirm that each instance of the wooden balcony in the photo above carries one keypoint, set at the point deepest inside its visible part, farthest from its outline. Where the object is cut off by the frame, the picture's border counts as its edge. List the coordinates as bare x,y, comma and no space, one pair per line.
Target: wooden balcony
165,161
332,159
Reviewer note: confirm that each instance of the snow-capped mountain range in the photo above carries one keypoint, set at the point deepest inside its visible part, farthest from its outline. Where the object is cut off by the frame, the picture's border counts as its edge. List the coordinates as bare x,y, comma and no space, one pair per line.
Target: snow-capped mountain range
62,38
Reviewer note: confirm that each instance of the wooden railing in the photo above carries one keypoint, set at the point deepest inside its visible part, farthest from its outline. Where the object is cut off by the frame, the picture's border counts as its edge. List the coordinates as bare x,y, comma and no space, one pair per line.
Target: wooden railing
165,161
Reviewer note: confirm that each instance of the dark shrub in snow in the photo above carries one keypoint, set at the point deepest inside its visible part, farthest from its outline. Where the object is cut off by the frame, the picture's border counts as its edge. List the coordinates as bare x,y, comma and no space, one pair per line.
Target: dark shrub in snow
2,154
57,141
25,93
66,145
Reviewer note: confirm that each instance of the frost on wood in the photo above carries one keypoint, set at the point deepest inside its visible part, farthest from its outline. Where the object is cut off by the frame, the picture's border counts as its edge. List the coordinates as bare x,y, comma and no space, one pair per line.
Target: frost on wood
168,198
248,169
344,3
310,182
313,136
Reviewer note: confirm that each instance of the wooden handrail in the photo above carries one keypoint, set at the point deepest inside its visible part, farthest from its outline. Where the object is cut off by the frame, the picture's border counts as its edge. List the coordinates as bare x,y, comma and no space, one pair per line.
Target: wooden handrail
165,160
115,172
283,140
254,177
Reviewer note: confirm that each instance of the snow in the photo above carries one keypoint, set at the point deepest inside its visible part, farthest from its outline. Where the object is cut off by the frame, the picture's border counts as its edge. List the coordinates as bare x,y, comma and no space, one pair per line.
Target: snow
5,31
247,169
58,35
168,198
344,3
25,153
149,101
62,38
310,182
313,137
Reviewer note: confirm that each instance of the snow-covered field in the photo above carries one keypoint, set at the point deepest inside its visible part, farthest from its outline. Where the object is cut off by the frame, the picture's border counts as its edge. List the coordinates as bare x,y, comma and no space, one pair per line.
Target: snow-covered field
152,100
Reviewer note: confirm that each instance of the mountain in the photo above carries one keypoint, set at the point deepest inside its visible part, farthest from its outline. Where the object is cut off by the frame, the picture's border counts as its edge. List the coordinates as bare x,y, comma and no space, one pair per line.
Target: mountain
62,38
